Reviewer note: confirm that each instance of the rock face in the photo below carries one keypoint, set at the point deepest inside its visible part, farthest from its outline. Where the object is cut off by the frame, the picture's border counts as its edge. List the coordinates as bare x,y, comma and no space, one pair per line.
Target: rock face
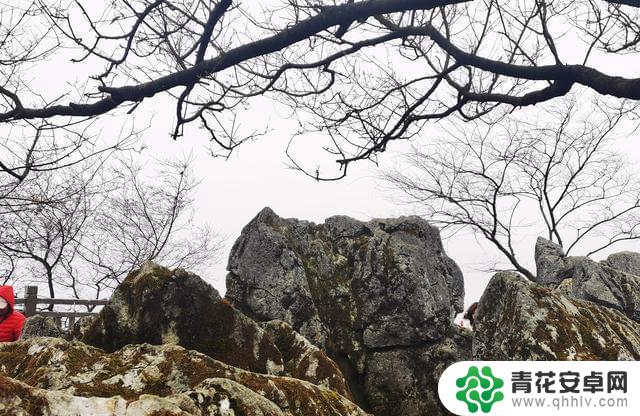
40,326
21,399
614,282
80,328
606,286
625,261
158,306
404,381
358,290
520,320
552,267
305,361
148,380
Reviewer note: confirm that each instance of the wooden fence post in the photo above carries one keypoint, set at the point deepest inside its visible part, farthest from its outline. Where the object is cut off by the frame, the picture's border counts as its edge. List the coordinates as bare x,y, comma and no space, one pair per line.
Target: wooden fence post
30,301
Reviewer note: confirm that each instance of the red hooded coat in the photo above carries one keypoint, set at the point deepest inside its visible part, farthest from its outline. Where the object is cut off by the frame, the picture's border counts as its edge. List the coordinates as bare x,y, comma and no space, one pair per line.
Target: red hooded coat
11,323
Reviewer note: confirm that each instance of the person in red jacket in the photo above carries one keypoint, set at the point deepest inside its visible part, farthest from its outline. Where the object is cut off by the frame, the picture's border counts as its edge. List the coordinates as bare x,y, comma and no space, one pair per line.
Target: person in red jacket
11,321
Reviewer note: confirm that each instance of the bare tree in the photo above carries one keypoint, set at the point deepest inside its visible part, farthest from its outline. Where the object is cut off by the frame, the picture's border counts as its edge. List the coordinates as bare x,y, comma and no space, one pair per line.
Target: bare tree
50,149
147,217
46,182
558,173
37,237
360,74
99,222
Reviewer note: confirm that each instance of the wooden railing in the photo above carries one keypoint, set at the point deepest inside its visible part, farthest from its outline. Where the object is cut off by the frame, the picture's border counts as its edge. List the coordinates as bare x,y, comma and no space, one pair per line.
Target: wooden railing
31,302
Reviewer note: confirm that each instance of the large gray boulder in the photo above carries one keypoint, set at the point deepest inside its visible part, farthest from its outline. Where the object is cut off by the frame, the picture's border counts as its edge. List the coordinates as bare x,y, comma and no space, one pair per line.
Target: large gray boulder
40,326
521,320
355,289
625,261
552,266
606,286
614,282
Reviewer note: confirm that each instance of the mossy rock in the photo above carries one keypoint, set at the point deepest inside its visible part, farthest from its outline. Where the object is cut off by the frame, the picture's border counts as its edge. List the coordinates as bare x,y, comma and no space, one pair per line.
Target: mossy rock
353,289
156,305
521,320
154,376
305,361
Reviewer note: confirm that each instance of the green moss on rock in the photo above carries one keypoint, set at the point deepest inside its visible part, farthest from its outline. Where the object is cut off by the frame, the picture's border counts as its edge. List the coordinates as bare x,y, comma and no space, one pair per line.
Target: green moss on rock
163,371
155,305
520,320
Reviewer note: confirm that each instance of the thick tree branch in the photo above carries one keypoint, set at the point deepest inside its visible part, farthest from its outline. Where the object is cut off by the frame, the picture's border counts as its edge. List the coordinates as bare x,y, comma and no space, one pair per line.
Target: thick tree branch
632,3
328,17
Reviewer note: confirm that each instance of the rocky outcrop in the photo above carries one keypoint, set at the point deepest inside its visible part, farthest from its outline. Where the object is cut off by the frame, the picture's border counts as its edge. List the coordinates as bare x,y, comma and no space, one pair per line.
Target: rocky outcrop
209,398
407,378
318,319
364,292
80,327
552,266
40,326
520,320
158,306
143,379
614,282
625,261
606,286
305,361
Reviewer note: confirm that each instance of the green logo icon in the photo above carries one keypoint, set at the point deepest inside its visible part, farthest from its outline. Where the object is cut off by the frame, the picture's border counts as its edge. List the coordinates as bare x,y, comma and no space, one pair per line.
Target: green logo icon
480,389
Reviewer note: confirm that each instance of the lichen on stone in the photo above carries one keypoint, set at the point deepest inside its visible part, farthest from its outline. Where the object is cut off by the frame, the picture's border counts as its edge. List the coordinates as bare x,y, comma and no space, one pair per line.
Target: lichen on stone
149,378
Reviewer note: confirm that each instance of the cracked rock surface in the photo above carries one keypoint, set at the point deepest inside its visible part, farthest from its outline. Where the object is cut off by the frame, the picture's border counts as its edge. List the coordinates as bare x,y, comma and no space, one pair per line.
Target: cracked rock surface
55,377
521,320
614,282
378,297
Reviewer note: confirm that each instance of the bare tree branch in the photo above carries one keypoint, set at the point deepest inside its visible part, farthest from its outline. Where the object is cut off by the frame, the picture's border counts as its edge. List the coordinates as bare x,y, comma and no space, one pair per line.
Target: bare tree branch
509,177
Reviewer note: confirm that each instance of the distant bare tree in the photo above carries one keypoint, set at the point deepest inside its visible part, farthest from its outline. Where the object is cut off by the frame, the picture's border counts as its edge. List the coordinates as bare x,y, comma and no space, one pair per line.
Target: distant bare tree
46,181
36,237
506,177
99,222
147,217
50,149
